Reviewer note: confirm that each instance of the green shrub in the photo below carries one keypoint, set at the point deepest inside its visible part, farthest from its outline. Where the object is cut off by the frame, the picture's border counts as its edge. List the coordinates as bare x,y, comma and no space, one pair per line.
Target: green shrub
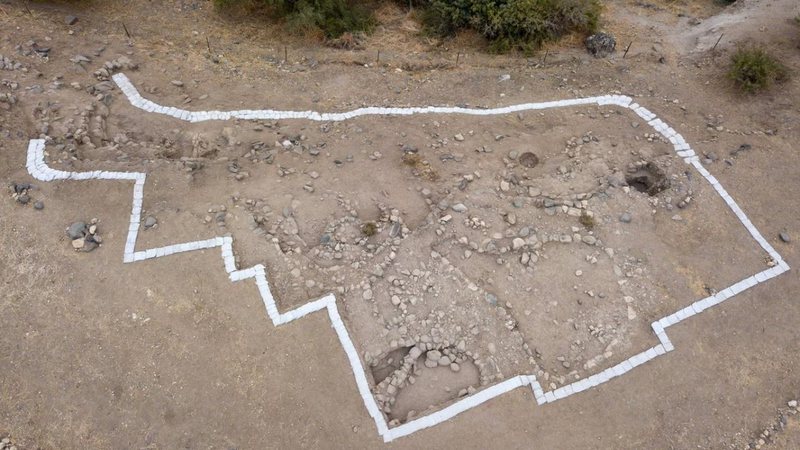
332,17
753,69
512,24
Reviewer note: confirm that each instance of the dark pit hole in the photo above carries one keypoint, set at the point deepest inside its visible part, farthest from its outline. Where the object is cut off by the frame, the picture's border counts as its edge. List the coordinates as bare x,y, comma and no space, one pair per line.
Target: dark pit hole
529,160
389,363
648,179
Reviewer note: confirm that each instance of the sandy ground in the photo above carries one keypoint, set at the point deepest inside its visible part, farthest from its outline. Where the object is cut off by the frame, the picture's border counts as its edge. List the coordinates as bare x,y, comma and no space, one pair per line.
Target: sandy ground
169,354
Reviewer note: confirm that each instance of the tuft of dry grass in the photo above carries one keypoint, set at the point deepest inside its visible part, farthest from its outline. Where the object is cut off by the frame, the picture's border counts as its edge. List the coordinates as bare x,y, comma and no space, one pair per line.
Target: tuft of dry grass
420,166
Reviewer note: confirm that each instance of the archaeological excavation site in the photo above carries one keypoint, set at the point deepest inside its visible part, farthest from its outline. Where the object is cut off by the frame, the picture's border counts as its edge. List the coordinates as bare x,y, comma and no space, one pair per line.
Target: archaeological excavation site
364,224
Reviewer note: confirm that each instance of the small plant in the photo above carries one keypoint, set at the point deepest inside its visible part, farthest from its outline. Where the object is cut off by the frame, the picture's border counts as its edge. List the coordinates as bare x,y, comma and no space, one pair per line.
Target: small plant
753,69
587,221
422,168
412,159
369,229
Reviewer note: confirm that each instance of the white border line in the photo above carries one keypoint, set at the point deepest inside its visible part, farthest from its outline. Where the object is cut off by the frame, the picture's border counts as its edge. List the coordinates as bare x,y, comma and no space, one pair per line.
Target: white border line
38,169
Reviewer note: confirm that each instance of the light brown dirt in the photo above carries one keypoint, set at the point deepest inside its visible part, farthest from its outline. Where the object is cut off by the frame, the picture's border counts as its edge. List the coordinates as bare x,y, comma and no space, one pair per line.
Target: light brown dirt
168,353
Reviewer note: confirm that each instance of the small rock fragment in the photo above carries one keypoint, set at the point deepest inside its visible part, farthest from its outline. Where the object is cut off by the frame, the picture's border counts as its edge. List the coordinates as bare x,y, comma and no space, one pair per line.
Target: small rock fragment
77,230
150,222
78,244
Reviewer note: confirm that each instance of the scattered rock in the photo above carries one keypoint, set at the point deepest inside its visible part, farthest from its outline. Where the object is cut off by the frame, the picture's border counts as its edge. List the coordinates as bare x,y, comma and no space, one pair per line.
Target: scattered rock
741,148
84,238
150,222
8,64
70,20
123,62
785,236
78,59
77,230
39,205
395,229
625,217
631,313
459,207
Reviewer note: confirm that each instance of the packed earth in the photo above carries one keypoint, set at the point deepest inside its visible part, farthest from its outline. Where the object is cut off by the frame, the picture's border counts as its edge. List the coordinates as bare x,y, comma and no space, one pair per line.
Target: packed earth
460,251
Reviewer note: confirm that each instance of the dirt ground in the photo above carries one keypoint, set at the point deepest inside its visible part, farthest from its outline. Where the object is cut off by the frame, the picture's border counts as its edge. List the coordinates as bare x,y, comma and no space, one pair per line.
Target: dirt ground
436,234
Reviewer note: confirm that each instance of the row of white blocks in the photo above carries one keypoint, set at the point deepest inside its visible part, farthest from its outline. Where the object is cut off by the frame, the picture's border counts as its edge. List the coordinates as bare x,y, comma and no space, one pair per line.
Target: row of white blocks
38,168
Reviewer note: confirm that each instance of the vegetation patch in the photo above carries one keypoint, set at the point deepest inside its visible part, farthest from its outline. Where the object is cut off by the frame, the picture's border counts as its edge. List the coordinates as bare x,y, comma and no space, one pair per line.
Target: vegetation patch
420,166
507,24
753,69
369,229
331,17
587,221
512,24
